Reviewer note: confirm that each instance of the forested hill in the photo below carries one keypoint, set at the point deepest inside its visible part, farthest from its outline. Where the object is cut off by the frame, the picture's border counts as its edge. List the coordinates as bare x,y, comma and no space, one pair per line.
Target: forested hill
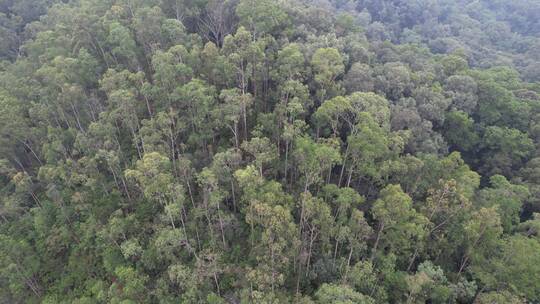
269,151
488,32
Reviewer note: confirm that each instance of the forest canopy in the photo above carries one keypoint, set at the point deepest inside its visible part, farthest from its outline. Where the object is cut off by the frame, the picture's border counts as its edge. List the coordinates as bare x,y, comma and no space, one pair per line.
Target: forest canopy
263,151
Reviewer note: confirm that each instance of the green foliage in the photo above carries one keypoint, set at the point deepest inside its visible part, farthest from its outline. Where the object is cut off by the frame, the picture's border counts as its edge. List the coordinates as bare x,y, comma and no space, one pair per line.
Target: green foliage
327,66
336,294
258,151
517,266
399,225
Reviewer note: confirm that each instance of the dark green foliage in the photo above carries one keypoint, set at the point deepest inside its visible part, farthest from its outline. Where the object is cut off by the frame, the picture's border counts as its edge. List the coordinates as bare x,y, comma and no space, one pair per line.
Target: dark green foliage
257,151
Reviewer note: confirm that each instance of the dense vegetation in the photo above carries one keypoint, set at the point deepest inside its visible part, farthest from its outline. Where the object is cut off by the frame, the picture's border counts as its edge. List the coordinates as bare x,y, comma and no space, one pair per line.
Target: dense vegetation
263,151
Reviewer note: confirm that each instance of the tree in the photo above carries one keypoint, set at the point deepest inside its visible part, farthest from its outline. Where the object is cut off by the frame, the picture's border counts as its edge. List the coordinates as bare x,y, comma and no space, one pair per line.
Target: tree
14,132
399,226
446,208
161,134
129,287
171,69
20,268
509,199
420,133
290,63
234,110
212,197
245,54
327,66
217,21
481,235
316,227
277,243
314,159
153,176
514,268
260,17
428,284
262,150
216,67
258,151
498,297
505,149
335,112
349,223
123,45
367,148
147,23
519,266
377,106
462,90
195,100
364,277
498,106
393,79
431,104
358,233
459,131
224,164
336,294
359,78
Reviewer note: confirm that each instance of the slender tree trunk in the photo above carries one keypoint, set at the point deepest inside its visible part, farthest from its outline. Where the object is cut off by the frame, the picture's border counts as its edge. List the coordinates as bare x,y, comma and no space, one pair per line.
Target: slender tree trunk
29,281
221,227
245,122
411,262
329,176
335,251
299,276
76,113
374,250
348,263
302,207
464,262
350,177
286,161
272,266
136,142
115,178
35,198
243,83
236,142
31,150
148,108
184,223
217,283
465,258
164,203
123,180
189,191
312,238
252,228
343,165
233,195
